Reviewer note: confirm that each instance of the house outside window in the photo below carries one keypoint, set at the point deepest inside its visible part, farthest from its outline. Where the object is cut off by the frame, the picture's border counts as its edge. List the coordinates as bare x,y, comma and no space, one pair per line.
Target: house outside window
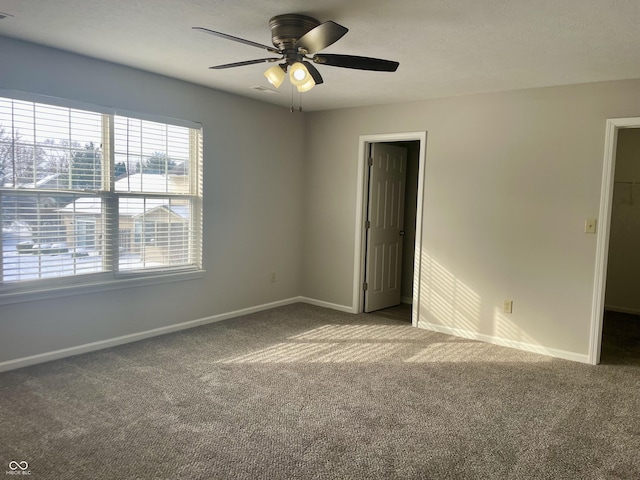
95,194
85,233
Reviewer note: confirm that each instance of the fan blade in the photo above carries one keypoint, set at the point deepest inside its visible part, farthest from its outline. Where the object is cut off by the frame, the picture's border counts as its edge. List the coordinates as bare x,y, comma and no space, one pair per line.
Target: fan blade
320,37
246,62
313,71
237,39
358,63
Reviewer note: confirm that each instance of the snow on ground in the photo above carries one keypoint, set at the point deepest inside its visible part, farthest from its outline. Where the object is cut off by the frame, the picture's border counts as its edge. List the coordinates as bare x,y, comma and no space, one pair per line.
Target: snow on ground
24,266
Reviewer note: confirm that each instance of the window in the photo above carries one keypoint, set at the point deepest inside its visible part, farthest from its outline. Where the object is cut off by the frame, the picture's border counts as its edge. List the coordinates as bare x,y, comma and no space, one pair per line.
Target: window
95,193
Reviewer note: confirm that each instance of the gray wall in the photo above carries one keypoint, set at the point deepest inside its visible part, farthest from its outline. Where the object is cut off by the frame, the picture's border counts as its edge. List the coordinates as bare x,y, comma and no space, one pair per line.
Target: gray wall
252,212
510,179
623,272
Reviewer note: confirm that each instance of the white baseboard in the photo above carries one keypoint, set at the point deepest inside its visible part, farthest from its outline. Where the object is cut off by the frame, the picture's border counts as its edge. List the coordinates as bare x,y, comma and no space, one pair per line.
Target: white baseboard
93,346
613,308
503,342
332,306
134,337
407,300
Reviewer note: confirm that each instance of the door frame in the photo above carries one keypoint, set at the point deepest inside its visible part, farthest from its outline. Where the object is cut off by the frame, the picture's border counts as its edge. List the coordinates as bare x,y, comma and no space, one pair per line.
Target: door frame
361,215
602,242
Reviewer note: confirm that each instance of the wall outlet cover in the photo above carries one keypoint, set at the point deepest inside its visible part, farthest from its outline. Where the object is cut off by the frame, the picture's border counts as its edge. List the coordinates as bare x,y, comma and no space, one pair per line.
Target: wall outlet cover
508,306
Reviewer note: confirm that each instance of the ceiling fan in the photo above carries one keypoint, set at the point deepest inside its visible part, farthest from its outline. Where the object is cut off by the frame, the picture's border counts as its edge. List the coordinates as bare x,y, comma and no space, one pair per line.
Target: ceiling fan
297,39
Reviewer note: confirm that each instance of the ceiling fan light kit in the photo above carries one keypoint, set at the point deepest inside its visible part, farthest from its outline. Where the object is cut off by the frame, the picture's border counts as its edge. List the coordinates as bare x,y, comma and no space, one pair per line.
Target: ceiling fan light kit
276,75
305,87
297,39
299,76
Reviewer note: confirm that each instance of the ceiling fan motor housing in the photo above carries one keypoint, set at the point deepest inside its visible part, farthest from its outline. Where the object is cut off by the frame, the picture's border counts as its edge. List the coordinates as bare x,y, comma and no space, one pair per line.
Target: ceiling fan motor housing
287,29
297,39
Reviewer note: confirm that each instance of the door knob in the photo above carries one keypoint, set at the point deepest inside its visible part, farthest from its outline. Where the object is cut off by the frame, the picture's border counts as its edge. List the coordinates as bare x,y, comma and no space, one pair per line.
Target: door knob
401,233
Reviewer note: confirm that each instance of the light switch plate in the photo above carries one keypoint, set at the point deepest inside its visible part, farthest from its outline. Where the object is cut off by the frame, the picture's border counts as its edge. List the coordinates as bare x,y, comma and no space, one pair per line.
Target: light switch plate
590,225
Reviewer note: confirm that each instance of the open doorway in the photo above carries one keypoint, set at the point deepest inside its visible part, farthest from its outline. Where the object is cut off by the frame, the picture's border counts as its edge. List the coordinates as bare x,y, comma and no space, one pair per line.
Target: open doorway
621,320
388,256
615,332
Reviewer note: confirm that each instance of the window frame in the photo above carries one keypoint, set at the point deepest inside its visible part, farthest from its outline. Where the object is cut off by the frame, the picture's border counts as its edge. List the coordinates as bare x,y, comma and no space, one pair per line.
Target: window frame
115,277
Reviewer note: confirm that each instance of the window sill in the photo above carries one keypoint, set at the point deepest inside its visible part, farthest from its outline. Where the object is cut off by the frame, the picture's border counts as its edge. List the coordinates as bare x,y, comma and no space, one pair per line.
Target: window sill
100,285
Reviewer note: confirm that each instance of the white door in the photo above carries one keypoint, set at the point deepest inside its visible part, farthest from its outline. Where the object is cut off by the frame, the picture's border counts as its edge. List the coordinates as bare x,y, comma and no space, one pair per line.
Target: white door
383,275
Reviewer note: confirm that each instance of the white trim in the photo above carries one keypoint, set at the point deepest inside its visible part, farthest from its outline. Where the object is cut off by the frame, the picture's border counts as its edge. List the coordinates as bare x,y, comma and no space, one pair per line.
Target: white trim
100,283
359,247
134,337
322,303
417,264
602,243
503,342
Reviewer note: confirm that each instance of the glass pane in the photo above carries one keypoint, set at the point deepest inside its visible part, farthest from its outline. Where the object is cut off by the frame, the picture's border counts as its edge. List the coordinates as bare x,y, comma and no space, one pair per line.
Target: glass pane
51,123
155,156
21,118
49,147
86,128
47,233
45,236
86,167
154,232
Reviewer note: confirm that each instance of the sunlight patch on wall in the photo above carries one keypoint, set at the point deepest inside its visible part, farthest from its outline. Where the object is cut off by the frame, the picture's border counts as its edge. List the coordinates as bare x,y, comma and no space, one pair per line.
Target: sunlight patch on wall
505,327
445,298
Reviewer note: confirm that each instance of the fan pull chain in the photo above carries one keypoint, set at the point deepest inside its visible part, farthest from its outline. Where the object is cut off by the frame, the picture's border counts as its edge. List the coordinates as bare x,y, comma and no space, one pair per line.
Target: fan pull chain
292,109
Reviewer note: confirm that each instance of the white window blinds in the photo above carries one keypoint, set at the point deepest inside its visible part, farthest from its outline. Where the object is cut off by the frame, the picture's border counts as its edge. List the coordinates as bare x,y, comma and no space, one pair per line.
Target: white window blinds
84,192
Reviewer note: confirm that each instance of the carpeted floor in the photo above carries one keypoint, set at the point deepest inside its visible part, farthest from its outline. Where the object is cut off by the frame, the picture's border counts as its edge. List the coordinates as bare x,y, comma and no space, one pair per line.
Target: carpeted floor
301,392
620,339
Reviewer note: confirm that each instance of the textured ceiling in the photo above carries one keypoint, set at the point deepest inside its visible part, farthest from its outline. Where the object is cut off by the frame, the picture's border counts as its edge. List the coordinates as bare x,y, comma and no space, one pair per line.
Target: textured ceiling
445,47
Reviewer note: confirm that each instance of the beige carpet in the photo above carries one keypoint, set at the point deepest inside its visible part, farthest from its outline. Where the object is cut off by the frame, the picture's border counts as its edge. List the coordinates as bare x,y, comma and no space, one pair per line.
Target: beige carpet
301,392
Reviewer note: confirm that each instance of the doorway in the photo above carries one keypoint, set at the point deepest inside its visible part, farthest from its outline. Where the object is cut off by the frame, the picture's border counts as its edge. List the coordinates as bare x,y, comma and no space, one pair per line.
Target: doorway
615,284
621,320
407,276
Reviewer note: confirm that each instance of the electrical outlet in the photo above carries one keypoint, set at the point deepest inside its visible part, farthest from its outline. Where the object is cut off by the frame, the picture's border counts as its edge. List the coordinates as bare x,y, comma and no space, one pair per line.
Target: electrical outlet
508,306
273,277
